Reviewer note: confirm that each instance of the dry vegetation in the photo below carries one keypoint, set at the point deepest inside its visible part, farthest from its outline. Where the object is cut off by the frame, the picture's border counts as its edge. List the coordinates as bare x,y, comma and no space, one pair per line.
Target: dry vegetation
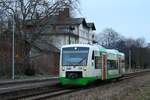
132,89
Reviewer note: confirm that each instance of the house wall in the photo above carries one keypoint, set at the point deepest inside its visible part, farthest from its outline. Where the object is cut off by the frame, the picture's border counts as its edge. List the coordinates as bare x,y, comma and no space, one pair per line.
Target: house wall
57,40
85,35
76,29
60,40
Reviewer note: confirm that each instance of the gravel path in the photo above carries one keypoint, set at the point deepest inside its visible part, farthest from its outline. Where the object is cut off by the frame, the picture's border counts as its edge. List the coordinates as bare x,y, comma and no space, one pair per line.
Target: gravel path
137,88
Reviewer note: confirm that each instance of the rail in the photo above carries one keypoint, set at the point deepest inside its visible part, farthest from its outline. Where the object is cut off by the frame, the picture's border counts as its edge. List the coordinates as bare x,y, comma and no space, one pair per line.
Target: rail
47,90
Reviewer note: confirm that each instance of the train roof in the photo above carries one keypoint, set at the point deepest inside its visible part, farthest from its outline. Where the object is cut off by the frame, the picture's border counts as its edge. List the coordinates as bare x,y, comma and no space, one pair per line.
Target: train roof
96,47
122,54
114,51
76,45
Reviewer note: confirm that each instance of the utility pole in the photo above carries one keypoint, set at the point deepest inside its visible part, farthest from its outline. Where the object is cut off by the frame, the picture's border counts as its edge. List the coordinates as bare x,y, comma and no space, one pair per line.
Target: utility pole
13,44
129,60
13,51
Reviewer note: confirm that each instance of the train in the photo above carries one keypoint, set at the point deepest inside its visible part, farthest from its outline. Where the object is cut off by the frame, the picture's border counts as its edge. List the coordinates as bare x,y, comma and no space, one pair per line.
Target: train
81,64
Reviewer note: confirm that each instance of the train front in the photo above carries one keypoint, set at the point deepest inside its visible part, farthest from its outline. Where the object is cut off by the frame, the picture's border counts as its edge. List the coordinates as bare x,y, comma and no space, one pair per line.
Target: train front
73,65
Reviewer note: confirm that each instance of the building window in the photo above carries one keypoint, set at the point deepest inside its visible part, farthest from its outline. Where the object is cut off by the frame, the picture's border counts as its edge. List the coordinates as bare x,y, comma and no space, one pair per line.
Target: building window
62,29
65,28
92,35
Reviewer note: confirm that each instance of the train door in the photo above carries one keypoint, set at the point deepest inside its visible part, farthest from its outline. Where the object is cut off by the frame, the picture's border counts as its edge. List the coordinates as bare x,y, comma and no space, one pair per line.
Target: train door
97,62
119,65
104,66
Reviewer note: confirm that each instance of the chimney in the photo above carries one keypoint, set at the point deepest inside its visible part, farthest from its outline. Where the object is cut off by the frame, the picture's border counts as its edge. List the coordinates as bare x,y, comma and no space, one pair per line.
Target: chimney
64,14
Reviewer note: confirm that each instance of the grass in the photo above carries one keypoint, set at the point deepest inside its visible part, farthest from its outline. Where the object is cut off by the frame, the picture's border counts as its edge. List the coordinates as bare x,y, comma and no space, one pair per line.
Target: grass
139,93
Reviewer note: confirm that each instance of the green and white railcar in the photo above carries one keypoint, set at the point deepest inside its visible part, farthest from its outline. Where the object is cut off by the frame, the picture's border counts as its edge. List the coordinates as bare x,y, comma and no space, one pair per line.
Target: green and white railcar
81,64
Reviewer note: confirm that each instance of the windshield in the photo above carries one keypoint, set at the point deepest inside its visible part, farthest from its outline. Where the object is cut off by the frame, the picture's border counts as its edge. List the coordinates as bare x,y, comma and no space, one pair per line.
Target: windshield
76,56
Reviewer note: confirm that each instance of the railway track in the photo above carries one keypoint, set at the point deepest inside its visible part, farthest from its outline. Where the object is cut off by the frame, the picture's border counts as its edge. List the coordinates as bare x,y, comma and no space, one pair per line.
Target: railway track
25,81
18,88
70,90
49,91
50,94
134,74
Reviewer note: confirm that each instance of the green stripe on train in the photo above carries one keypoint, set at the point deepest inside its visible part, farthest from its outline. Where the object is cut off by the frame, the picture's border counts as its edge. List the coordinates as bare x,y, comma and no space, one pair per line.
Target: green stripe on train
79,81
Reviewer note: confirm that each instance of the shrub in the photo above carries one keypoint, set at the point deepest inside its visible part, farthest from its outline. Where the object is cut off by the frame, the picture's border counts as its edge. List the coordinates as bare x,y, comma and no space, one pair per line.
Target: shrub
30,71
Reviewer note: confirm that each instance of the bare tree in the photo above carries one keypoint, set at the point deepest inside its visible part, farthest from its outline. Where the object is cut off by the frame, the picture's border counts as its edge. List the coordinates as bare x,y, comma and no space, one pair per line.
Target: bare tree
36,11
140,42
30,12
108,38
137,47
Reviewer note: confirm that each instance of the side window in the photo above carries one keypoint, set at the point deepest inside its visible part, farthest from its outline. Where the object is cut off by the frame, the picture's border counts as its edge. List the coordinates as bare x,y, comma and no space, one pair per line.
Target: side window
108,64
93,55
115,64
112,64
98,62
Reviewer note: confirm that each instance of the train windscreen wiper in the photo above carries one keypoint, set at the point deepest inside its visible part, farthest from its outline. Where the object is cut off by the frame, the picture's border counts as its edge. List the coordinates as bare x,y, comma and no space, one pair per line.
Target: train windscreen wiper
82,60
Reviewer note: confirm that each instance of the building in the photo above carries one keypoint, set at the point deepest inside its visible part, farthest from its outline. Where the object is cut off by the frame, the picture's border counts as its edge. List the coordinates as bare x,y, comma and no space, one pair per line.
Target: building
65,29
60,29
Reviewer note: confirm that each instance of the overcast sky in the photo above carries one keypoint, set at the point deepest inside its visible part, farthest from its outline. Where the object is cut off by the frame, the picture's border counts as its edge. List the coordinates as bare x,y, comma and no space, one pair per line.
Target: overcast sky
130,18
